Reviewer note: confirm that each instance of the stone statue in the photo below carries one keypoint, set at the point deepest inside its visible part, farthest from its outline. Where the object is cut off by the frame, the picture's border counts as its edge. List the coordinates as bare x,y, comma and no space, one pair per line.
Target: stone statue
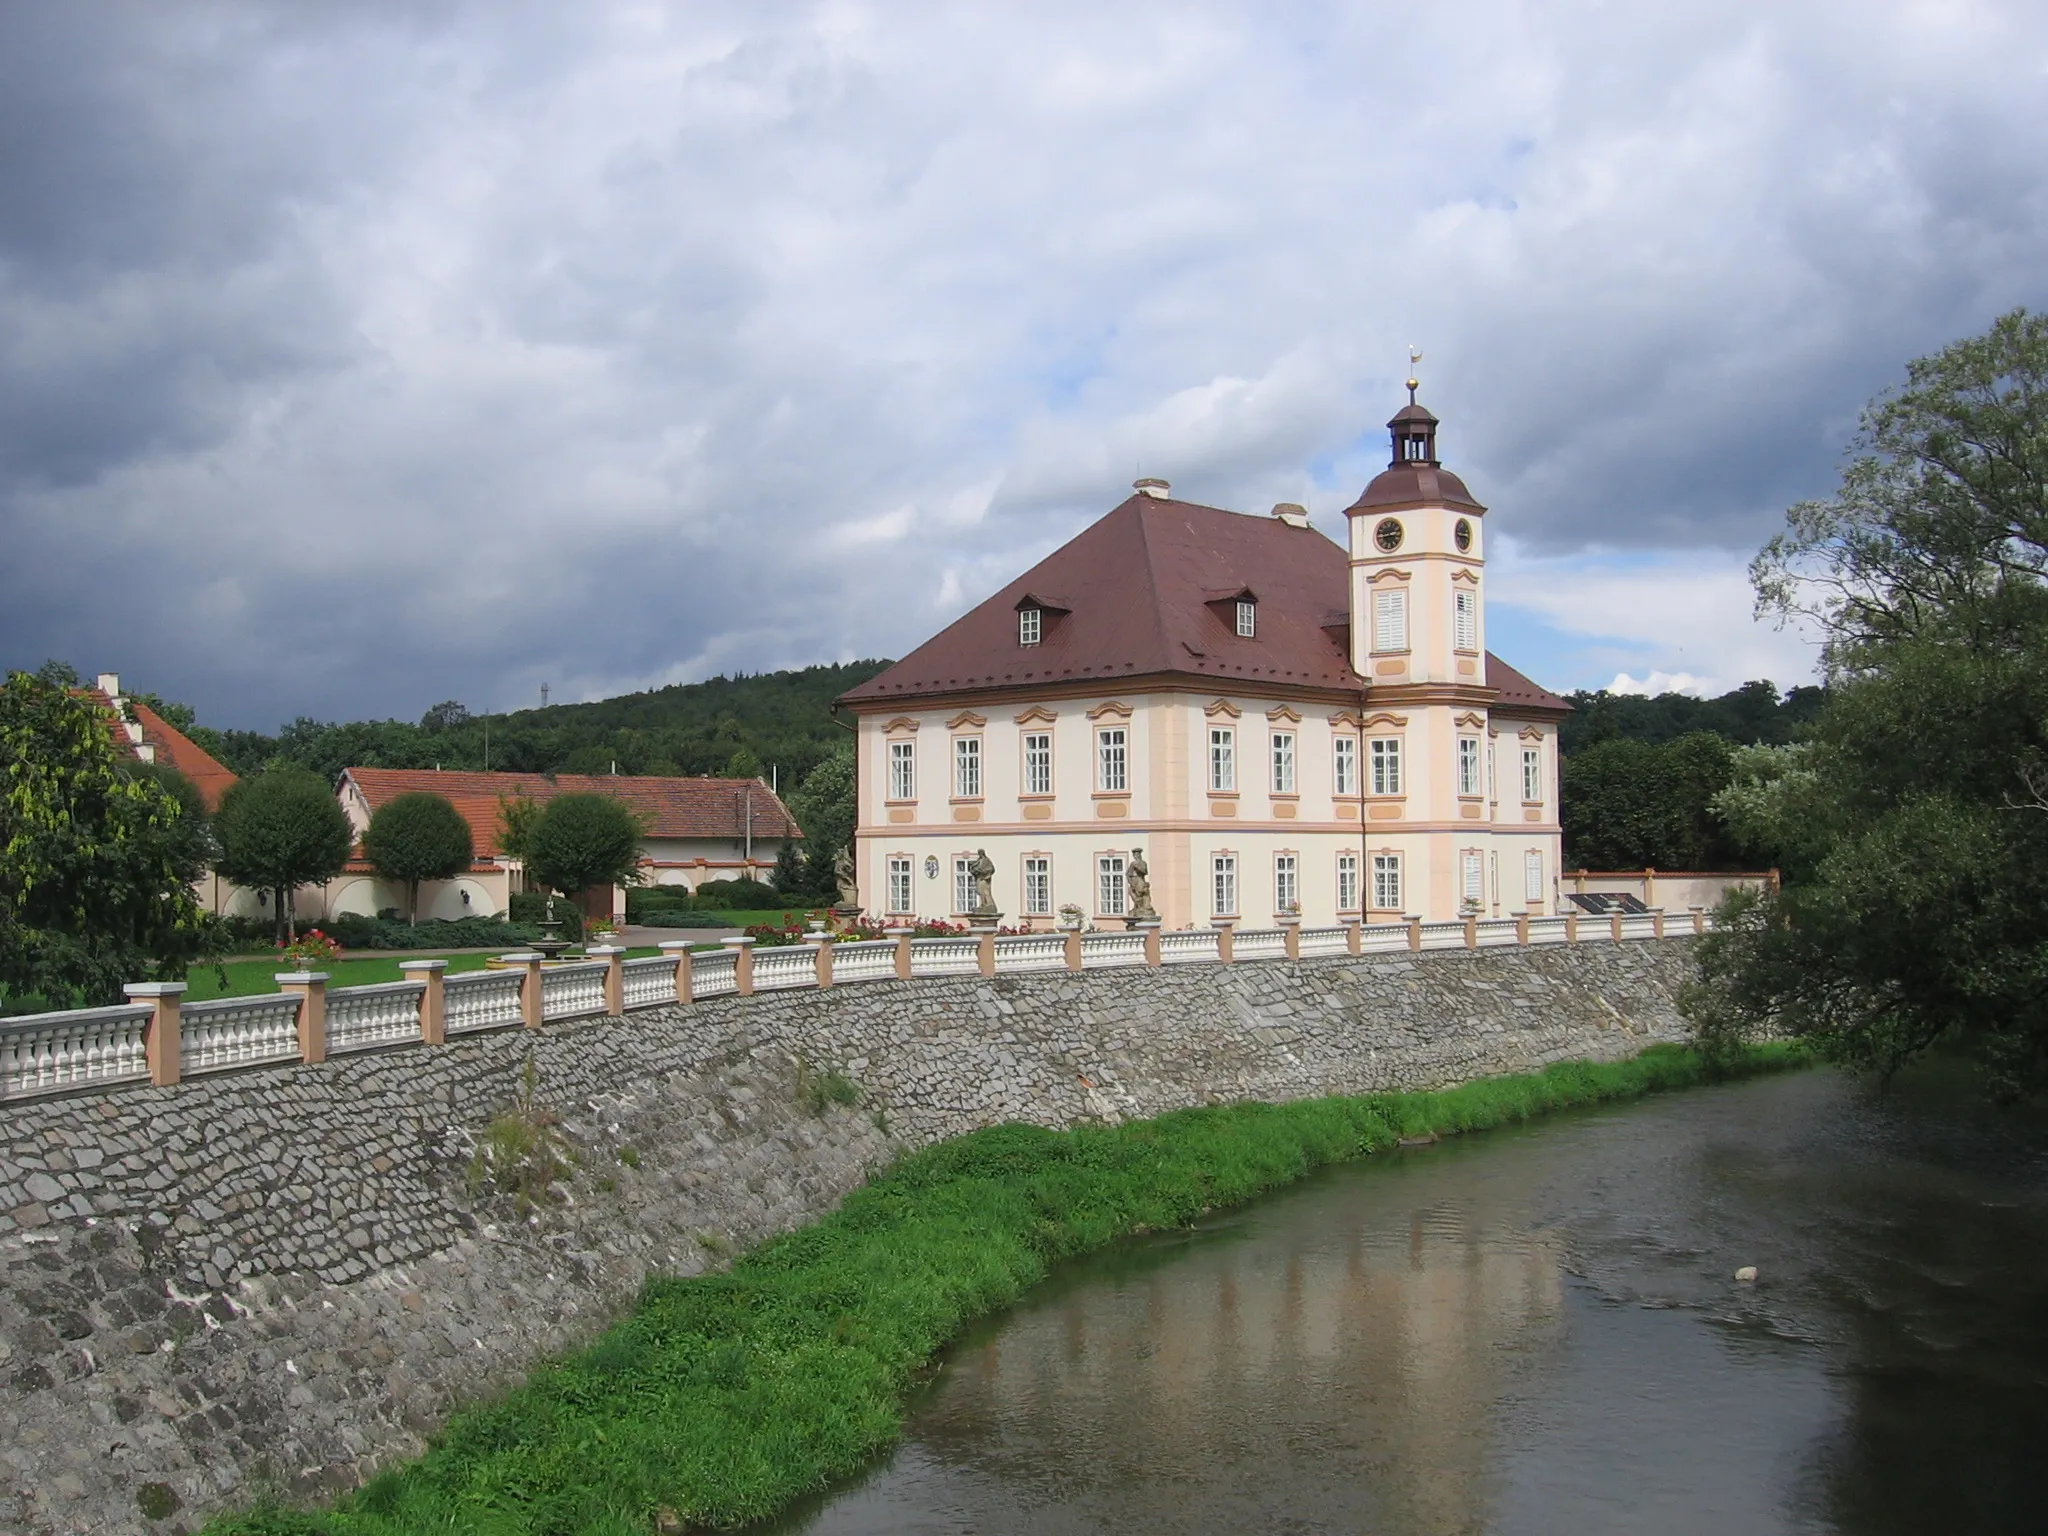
983,870
843,876
1137,878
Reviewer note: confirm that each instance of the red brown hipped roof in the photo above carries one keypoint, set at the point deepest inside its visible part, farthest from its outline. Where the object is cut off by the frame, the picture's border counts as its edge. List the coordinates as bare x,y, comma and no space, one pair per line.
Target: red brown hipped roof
172,745
714,808
1147,591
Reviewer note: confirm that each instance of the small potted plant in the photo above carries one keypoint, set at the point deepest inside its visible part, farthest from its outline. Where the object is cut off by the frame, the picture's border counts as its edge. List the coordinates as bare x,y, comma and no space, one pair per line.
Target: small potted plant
1070,918
308,951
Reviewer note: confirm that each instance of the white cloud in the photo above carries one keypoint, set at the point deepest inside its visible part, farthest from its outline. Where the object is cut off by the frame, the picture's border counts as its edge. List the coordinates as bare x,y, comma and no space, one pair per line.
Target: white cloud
377,355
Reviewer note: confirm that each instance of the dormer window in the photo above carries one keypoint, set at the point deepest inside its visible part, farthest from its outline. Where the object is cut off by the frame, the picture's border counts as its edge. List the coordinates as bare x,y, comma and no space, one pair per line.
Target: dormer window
1030,625
1246,618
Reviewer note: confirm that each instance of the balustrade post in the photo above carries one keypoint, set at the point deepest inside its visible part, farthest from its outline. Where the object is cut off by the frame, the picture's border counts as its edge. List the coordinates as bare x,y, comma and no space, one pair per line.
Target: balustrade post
985,951
1073,949
614,957
1571,925
824,962
310,987
742,964
1471,930
1614,925
529,985
1354,937
1290,936
160,1031
678,950
902,936
1522,929
1415,931
1657,921
1699,919
1225,942
433,1001
1149,927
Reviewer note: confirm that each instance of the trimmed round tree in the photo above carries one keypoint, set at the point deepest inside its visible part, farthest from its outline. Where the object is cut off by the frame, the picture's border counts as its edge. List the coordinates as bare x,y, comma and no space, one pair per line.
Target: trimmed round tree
279,831
418,837
580,842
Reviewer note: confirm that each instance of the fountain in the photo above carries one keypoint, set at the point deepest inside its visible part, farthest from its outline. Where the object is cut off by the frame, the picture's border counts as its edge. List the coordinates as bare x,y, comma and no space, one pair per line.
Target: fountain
550,943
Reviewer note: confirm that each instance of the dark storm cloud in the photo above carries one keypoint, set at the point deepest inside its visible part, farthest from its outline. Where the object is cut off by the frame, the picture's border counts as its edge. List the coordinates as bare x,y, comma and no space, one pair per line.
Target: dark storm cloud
356,357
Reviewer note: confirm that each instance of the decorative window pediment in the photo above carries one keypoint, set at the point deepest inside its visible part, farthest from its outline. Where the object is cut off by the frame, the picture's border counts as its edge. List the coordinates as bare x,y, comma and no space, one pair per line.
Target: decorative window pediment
1110,707
1383,717
1475,721
1389,575
966,718
1221,707
1284,712
1530,733
1037,714
900,723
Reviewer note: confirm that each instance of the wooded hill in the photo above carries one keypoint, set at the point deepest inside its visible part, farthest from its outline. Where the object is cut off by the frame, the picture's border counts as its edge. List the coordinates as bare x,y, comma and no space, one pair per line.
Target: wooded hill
1752,715
741,725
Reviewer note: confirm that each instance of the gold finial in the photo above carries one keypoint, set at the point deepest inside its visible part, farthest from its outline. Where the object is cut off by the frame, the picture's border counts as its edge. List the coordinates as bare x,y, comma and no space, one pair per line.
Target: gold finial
1414,357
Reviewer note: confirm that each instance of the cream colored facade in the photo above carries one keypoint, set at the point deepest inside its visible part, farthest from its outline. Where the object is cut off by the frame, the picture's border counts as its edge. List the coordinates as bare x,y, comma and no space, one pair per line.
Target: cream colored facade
1419,792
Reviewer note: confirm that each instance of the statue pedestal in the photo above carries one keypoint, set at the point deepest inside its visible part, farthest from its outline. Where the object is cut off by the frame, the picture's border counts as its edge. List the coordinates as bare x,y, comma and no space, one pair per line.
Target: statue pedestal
844,916
984,922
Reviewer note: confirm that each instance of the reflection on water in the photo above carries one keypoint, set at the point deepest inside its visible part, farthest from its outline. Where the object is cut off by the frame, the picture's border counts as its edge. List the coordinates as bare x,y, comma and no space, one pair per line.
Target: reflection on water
1537,1331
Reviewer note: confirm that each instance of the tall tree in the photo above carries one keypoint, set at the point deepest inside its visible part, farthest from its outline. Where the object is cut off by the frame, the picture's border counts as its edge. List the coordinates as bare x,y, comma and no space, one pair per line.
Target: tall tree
278,831
418,837
1630,805
96,857
824,806
1921,812
581,842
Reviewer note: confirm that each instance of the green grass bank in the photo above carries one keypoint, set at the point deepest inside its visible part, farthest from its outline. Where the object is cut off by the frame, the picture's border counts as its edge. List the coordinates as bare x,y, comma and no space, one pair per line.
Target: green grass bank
723,1397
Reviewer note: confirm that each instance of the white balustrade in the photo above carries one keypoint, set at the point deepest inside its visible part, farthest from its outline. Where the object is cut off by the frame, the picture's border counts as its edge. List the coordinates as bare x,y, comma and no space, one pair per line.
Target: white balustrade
572,991
1259,944
779,967
1031,952
1639,925
46,1052
1382,938
1547,930
362,1018
1325,941
483,1000
945,957
863,960
649,981
713,972
1443,935
1100,950
1194,945
1497,930
238,1032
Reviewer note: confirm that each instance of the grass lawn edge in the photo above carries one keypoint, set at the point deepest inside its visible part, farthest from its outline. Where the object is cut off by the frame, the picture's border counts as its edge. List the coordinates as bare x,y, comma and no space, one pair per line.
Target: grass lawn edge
722,1398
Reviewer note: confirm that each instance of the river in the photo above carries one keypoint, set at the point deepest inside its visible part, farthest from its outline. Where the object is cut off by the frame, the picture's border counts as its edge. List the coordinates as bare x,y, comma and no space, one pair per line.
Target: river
1537,1330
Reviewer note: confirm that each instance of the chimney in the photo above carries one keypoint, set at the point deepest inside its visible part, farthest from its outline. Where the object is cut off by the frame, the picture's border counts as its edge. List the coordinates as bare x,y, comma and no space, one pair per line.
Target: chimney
1293,514
1158,490
110,684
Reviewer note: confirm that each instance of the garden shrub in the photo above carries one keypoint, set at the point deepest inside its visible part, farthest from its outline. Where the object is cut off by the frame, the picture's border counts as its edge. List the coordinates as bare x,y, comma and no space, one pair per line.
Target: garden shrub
739,896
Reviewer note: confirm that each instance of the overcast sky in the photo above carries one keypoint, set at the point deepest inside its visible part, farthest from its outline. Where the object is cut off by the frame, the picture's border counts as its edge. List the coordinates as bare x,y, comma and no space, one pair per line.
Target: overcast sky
355,357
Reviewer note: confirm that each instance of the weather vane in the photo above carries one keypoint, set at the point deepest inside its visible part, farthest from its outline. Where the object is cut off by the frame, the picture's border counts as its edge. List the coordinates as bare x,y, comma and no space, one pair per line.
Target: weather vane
1414,357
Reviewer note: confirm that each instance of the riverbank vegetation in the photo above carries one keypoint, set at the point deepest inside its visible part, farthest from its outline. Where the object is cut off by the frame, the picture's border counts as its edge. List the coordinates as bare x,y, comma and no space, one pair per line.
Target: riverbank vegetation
723,1397
1914,822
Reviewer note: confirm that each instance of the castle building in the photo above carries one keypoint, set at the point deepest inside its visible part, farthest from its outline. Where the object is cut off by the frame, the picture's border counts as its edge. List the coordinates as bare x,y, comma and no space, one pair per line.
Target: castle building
1278,725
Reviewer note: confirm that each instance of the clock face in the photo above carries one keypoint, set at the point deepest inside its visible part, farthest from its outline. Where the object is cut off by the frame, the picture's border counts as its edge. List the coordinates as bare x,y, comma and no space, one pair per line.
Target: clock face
1463,534
1388,535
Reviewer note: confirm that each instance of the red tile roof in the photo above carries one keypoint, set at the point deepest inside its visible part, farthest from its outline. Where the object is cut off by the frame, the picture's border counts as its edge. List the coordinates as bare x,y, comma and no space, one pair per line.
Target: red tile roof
1131,596
673,807
172,745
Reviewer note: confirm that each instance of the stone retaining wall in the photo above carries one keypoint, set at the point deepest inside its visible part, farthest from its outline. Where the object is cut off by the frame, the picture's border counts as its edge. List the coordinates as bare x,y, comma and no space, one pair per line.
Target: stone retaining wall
280,1279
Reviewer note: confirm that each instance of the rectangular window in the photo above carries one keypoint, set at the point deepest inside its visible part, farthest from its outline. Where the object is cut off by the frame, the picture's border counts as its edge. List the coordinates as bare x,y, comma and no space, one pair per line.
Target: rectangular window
1386,881
1475,877
1245,619
1037,886
1386,765
1112,760
1465,620
1286,883
1532,773
899,885
964,899
1344,767
1109,885
1223,885
902,770
1222,759
1468,765
967,767
1029,626
1283,762
1347,882
1532,875
1038,763
1390,620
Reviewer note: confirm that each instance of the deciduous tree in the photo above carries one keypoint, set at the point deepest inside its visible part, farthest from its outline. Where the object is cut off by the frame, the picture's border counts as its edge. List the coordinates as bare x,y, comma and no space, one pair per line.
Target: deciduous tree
278,831
418,837
583,841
